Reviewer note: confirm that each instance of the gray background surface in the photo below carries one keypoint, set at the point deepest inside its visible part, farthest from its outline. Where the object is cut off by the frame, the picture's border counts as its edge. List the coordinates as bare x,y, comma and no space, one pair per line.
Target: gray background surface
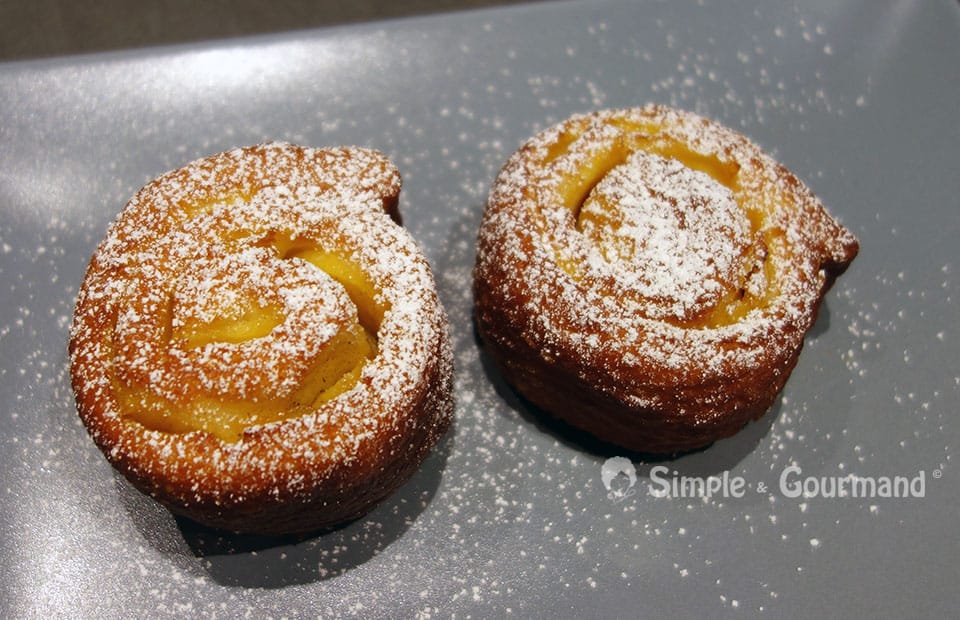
510,515
42,28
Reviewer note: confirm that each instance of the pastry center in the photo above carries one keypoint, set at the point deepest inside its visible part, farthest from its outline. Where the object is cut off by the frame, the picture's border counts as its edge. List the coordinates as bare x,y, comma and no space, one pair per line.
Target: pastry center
241,331
674,233
664,229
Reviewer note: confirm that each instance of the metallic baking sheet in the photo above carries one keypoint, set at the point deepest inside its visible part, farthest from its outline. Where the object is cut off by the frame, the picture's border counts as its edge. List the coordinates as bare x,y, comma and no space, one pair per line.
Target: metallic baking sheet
511,514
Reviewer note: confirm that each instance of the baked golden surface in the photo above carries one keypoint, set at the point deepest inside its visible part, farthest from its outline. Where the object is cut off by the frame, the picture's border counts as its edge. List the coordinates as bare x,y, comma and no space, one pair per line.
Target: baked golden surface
648,276
258,343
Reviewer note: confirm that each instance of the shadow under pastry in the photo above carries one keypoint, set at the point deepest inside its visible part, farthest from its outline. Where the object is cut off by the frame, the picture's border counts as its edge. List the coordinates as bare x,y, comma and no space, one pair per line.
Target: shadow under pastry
245,560
722,455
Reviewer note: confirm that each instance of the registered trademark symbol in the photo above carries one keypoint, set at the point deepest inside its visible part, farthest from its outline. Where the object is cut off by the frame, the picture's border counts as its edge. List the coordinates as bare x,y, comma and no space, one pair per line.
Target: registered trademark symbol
937,474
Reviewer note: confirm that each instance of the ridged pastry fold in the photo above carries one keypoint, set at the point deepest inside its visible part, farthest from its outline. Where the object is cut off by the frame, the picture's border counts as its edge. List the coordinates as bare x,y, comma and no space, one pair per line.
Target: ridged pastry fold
648,275
259,344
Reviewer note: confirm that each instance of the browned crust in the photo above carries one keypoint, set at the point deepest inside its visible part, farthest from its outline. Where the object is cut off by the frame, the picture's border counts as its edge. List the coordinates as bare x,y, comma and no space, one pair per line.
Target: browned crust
530,314
301,474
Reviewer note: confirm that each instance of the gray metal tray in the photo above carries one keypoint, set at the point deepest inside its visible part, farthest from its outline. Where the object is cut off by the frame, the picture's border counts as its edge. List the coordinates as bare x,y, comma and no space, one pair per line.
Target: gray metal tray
511,514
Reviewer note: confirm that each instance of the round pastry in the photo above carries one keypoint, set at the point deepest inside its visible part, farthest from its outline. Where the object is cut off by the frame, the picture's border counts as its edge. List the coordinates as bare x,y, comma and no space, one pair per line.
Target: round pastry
648,276
259,345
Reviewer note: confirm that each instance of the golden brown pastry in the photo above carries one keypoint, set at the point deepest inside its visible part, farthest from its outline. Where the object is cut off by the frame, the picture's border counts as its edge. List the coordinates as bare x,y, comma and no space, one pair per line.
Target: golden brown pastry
259,345
648,276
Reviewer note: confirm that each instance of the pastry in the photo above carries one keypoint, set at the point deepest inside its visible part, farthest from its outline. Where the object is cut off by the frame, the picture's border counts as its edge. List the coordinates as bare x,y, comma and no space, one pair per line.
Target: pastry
647,275
259,345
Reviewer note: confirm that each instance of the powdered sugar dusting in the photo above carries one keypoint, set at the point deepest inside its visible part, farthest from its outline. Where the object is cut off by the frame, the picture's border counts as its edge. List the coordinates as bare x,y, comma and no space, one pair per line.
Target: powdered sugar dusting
206,243
508,517
674,235
649,303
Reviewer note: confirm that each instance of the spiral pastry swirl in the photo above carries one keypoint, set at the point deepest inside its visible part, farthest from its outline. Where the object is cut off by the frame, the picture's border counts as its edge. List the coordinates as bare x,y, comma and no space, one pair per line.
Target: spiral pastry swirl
258,343
648,276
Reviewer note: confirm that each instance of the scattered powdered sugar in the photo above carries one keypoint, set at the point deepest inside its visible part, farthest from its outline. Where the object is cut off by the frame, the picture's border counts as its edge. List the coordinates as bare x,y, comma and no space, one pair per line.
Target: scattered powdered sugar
205,243
621,298
508,516
674,235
